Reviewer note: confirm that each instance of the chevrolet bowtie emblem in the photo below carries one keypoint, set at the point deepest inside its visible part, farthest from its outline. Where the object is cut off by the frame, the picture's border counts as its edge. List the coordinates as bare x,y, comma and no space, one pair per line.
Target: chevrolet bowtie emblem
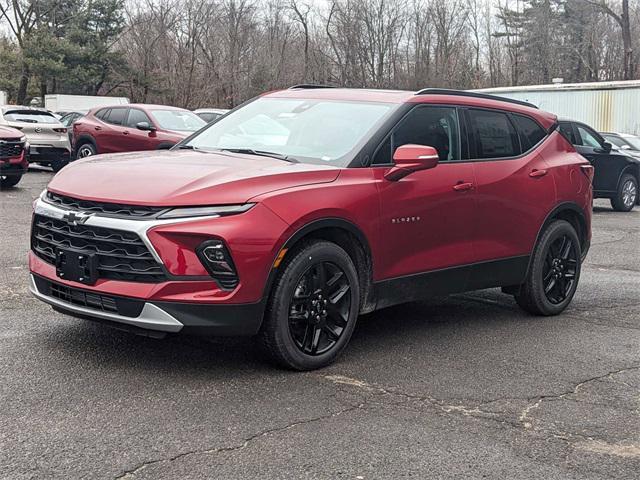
73,218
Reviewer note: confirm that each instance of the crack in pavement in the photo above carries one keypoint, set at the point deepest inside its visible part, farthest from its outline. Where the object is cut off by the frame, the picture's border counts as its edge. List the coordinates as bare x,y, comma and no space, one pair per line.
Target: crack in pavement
476,411
128,474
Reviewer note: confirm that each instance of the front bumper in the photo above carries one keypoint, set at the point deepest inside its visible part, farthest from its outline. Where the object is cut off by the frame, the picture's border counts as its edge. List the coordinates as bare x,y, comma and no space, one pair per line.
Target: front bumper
18,166
146,317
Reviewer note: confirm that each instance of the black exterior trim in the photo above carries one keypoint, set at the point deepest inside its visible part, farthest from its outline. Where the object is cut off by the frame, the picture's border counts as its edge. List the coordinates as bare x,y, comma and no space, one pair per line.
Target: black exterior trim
571,206
464,93
464,278
239,319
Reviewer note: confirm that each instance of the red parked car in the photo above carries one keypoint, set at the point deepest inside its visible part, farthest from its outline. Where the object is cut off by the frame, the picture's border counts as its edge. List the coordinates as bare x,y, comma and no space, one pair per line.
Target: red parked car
302,209
130,128
13,158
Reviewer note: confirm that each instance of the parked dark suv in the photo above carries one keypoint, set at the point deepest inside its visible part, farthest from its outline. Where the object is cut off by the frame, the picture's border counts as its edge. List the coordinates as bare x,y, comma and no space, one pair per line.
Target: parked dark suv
617,173
293,214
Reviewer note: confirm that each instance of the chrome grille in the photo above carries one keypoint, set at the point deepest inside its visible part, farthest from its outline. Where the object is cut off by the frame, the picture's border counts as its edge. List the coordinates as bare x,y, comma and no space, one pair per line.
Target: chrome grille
120,255
115,209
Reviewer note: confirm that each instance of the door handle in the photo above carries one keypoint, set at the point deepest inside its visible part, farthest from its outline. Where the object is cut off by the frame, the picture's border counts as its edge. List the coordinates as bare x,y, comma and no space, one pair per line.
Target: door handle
537,173
125,133
463,186
97,128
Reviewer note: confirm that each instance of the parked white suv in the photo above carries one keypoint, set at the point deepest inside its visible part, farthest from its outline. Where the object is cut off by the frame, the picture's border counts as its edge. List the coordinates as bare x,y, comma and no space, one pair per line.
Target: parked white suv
47,137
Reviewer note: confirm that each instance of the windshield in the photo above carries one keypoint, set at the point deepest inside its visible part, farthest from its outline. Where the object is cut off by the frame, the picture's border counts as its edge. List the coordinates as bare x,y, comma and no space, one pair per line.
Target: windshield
634,142
29,116
178,120
311,131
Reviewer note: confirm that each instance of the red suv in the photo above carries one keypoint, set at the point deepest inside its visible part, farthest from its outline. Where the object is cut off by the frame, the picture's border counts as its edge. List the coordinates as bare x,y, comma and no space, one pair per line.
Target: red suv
129,128
13,158
306,207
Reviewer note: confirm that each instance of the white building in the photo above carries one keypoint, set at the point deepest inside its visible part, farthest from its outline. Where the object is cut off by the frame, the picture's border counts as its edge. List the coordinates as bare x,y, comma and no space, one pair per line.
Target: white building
606,106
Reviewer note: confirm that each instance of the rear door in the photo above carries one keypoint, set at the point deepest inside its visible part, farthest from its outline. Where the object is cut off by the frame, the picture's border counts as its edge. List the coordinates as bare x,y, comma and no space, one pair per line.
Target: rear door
112,137
513,190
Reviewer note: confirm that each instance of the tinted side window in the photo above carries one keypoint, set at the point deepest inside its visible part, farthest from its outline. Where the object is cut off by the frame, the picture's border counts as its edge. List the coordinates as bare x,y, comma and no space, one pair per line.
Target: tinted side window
530,132
435,127
589,139
102,114
566,129
116,116
495,136
136,116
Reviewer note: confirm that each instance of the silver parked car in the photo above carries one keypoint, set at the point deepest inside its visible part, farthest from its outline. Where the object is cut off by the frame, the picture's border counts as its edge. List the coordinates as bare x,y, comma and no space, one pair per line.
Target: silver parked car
47,137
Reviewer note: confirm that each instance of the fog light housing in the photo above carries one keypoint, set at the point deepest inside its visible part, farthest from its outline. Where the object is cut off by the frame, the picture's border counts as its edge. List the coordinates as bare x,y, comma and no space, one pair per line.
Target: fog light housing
215,257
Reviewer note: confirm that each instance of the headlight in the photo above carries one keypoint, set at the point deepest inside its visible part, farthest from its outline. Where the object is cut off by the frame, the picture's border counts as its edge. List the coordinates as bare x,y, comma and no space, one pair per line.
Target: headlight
23,138
219,211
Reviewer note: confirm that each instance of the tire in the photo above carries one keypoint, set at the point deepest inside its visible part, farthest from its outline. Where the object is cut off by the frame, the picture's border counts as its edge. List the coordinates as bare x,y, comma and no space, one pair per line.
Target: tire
305,305
86,149
58,164
627,194
9,181
553,273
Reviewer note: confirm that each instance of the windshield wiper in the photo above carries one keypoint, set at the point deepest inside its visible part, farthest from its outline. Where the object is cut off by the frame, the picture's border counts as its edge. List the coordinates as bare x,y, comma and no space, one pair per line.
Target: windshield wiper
191,147
261,153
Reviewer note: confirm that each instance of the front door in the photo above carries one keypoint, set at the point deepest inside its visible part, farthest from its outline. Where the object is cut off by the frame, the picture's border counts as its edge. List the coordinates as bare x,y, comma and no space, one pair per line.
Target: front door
607,163
427,218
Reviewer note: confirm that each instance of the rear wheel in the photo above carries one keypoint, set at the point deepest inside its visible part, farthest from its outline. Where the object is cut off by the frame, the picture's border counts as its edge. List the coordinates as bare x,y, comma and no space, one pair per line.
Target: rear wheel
627,194
554,271
86,149
8,181
313,307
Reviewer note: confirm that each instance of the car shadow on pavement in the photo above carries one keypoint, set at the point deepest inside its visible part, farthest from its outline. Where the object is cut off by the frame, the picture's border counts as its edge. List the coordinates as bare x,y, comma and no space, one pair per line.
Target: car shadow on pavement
98,346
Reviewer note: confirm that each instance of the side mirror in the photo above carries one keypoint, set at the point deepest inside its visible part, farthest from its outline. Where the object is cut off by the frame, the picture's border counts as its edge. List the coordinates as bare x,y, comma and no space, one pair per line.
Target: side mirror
606,147
412,158
145,127
625,147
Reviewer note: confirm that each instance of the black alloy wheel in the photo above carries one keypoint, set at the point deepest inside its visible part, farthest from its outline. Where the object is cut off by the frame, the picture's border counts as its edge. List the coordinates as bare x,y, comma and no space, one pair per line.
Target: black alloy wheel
559,272
319,308
313,306
554,271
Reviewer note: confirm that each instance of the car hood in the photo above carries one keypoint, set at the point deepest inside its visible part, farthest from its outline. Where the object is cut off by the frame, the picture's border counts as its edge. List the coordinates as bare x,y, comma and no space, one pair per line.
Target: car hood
183,178
8,133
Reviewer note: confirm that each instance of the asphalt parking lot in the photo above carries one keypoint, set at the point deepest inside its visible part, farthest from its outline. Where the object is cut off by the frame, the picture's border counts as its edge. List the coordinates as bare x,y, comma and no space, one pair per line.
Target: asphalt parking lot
467,387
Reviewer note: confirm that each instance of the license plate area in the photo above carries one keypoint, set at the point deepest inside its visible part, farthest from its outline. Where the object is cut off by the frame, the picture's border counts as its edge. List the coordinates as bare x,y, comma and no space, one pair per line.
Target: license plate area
76,266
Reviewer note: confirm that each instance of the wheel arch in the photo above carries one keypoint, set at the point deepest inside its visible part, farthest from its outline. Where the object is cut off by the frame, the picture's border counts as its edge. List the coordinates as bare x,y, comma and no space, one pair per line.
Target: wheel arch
82,139
575,215
345,234
633,169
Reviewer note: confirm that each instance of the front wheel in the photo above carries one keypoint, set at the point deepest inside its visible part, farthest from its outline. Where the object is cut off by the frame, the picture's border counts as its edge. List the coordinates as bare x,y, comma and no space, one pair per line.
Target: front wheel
627,194
554,271
8,181
313,307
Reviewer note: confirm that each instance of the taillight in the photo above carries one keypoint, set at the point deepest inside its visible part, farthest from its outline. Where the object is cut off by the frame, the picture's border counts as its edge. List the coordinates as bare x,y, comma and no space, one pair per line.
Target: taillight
588,171
60,130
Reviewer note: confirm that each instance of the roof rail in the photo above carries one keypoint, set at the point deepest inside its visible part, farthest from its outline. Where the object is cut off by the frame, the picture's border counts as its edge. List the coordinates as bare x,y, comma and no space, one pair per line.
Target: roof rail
309,86
465,93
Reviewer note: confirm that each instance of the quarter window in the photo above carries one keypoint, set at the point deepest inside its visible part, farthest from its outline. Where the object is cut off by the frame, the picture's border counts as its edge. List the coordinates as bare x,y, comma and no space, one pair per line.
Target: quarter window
530,132
435,127
495,136
102,114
